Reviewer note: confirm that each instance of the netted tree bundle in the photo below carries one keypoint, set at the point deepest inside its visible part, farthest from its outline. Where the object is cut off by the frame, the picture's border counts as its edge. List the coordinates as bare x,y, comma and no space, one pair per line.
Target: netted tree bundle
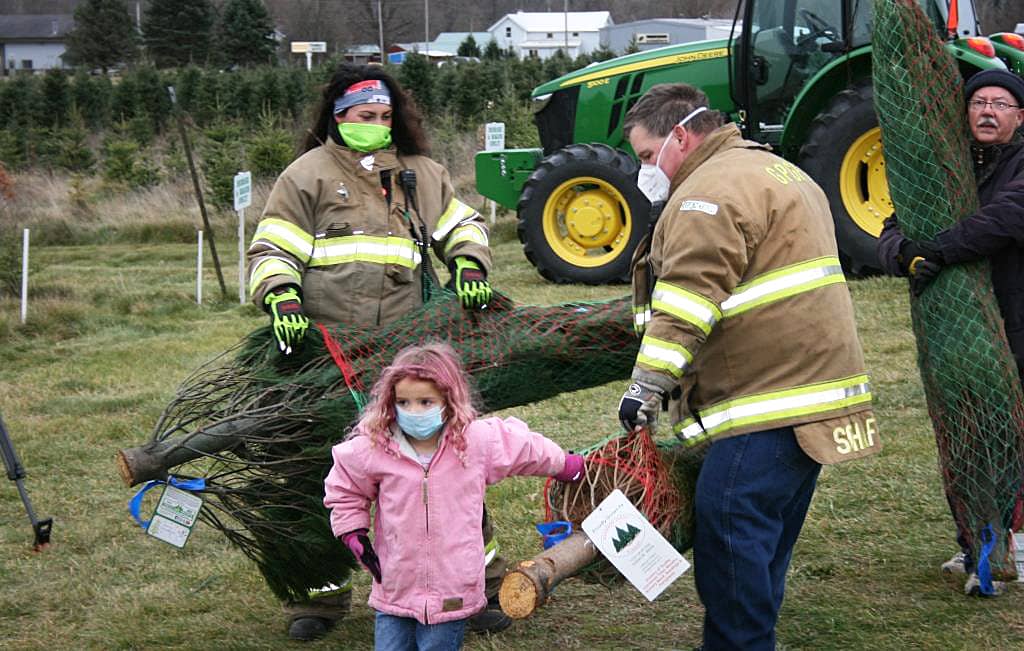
658,478
259,427
971,384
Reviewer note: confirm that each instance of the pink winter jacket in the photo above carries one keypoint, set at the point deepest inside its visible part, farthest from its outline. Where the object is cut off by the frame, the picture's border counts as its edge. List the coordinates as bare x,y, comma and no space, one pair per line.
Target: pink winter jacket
427,530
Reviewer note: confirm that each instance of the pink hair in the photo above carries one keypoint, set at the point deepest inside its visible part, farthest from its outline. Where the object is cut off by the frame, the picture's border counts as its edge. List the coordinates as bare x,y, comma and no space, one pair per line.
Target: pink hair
437,363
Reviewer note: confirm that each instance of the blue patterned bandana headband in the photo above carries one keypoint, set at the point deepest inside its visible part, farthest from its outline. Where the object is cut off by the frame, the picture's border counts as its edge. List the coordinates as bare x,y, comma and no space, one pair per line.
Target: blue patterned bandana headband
371,91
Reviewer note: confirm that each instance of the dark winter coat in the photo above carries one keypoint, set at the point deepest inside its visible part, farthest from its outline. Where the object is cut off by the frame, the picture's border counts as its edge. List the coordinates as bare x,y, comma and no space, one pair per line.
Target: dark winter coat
995,232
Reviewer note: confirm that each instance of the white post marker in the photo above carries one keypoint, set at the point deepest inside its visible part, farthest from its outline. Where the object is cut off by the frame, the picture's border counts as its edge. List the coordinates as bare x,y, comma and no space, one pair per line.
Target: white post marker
494,140
243,199
634,546
199,269
24,276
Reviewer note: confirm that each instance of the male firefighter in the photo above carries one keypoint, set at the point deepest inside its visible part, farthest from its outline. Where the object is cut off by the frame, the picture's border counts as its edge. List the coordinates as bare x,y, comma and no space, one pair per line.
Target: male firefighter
748,330
995,232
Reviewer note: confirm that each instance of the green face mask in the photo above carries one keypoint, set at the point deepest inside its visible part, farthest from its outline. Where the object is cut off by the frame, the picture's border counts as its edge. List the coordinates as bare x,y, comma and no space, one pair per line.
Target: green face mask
363,136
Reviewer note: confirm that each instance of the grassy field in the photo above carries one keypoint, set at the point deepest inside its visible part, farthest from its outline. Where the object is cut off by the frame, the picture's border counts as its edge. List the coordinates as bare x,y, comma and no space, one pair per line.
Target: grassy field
114,328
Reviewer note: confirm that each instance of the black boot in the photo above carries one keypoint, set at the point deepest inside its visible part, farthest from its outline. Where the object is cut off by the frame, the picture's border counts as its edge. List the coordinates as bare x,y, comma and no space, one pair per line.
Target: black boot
489,620
309,628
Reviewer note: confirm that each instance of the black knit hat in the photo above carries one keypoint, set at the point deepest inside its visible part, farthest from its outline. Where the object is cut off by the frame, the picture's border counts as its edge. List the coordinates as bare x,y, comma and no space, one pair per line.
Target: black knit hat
1001,78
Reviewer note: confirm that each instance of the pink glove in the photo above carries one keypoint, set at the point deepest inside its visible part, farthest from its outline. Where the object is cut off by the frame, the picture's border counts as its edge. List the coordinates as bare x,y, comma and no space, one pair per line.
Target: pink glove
359,544
573,469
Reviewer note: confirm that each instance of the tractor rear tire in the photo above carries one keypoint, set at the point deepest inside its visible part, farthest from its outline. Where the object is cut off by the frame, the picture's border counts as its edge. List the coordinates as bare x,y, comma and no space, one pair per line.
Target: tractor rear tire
843,153
581,215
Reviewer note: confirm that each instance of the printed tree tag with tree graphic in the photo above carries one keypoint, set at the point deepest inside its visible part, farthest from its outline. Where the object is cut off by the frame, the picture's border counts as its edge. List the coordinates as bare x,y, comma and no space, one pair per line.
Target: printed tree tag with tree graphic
636,549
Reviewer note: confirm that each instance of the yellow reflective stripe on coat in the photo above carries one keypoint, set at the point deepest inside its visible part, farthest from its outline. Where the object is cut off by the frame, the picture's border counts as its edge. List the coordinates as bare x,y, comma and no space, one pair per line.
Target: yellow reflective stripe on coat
331,590
664,355
490,551
365,248
272,266
774,406
783,283
286,236
467,233
685,305
456,214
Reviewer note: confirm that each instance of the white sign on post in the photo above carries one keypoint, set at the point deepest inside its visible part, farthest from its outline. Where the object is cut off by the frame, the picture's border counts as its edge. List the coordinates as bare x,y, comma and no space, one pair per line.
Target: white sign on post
634,546
243,199
494,136
243,190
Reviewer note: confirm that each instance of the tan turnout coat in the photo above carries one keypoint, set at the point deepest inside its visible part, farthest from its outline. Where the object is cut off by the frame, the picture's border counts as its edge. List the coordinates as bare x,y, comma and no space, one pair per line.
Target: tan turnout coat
327,228
749,321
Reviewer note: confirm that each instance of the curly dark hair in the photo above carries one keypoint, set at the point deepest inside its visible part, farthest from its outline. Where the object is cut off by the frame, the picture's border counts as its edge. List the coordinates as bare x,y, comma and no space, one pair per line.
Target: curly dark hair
406,124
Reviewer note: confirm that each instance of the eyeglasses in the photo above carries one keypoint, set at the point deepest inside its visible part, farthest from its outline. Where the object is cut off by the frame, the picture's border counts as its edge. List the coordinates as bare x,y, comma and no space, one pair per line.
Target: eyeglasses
979,104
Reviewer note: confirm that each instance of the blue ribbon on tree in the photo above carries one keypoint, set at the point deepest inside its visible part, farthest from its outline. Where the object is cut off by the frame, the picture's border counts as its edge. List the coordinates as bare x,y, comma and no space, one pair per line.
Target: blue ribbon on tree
554,532
135,504
988,543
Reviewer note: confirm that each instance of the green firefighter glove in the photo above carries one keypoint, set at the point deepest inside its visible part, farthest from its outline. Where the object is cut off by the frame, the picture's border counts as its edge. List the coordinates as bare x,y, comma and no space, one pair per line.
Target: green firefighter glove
471,283
286,316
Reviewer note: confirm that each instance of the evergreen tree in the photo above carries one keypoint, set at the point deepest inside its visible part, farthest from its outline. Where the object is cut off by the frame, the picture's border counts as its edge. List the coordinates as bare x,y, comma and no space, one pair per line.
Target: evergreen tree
469,100
179,32
469,48
492,52
55,99
246,34
91,98
416,75
104,35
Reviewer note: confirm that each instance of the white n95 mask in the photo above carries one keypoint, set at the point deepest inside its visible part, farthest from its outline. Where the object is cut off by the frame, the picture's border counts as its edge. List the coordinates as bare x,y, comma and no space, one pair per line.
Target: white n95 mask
652,180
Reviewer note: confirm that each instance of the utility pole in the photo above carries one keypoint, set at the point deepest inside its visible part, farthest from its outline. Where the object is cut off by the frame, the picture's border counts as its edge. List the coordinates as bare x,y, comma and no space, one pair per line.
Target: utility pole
426,24
565,11
380,31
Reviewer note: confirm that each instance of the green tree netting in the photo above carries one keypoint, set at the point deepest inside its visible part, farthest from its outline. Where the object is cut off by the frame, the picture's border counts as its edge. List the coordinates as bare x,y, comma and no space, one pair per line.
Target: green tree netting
259,427
970,380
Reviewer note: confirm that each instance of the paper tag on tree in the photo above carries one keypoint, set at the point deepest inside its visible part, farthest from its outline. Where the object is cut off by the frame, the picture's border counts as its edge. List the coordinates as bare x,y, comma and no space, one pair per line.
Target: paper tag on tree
175,515
634,546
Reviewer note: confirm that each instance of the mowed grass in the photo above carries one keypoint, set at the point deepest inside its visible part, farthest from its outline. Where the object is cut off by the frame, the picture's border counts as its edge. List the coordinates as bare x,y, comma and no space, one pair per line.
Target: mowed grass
113,329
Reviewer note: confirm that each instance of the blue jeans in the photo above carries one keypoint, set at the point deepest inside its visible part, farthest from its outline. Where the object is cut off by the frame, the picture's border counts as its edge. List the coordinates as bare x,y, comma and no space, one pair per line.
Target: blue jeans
752,496
391,633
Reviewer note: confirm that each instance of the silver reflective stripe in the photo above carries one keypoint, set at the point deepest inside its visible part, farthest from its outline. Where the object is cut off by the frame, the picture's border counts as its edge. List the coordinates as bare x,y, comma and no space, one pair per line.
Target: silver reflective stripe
272,266
684,305
286,236
365,248
664,355
777,405
490,551
783,283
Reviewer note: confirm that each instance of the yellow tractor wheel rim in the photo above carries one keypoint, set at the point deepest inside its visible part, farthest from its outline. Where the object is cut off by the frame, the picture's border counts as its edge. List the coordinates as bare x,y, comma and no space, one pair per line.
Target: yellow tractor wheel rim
862,183
587,222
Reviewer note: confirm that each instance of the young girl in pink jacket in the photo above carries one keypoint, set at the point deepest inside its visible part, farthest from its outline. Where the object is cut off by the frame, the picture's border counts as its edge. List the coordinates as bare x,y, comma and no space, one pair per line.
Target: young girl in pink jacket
421,456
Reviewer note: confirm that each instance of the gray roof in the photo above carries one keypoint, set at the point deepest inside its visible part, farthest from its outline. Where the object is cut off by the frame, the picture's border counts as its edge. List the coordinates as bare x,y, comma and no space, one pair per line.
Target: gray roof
35,26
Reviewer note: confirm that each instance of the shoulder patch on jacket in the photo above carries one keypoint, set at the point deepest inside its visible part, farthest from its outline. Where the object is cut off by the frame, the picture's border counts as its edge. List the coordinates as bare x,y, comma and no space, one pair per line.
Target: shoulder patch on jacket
702,206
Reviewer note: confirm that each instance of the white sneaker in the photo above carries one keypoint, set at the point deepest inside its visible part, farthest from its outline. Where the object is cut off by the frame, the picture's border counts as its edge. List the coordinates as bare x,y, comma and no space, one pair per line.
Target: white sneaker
973,587
955,565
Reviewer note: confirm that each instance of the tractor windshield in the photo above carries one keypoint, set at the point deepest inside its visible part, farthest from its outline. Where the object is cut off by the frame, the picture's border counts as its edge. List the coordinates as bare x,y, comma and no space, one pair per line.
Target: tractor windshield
787,39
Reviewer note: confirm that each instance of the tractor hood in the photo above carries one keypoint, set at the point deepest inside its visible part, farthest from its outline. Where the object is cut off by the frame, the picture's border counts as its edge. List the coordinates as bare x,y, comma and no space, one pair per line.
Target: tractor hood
671,55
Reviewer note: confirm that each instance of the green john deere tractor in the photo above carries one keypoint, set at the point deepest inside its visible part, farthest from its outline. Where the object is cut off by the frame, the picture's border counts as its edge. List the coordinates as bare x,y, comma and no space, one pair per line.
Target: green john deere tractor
794,73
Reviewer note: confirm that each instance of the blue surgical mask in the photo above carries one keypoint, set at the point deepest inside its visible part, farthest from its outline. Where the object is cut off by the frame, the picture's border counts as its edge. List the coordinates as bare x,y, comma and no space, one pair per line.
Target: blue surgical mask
421,425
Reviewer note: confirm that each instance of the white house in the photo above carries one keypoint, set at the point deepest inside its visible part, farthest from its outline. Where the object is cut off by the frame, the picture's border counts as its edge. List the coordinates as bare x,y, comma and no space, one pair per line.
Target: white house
33,42
540,34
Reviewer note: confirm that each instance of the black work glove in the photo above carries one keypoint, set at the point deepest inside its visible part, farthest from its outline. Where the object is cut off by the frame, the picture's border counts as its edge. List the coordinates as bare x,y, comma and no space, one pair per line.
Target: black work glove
359,544
640,405
922,261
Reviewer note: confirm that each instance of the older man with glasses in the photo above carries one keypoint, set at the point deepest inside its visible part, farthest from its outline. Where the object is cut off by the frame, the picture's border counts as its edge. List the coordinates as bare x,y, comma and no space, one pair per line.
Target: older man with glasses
995,231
